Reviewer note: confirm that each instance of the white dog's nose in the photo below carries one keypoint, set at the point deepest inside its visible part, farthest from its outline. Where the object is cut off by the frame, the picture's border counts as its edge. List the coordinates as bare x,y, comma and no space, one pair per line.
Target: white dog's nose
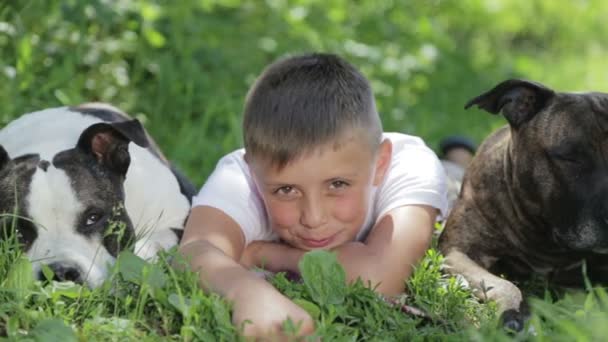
63,271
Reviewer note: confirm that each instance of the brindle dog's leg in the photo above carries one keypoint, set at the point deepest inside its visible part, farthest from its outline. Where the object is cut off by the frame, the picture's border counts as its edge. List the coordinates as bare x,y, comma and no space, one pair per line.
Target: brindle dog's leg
487,286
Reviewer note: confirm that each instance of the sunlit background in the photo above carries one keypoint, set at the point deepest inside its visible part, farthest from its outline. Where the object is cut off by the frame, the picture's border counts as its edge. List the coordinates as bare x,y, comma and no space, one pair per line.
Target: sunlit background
183,67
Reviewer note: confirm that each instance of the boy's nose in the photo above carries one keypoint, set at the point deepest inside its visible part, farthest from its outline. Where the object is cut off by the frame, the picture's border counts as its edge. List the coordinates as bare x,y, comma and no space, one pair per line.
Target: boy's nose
313,215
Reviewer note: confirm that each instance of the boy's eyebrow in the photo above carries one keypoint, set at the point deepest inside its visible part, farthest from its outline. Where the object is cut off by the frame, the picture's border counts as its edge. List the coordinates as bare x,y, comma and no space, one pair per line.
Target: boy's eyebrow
330,179
342,177
274,184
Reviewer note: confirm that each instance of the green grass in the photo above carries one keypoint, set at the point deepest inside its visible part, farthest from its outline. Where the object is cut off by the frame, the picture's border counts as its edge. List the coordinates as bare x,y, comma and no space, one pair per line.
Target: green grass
153,302
183,68
158,302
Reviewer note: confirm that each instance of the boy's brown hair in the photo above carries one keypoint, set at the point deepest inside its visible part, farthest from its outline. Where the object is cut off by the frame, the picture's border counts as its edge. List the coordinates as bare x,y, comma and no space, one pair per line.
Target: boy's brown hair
302,102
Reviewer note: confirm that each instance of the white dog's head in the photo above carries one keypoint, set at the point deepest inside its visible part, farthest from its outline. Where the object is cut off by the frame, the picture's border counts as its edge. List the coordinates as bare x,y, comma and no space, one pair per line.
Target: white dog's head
67,211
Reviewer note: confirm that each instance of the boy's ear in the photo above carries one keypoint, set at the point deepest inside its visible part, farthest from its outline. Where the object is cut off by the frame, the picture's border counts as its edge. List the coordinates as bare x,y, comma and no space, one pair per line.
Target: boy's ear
383,161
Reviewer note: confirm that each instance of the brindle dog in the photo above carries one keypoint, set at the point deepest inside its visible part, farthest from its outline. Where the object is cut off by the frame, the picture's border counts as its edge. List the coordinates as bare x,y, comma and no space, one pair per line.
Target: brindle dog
535,198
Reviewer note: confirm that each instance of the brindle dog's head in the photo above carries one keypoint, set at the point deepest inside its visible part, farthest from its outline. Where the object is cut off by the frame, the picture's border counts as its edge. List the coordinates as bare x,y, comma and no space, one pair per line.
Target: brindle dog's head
558,157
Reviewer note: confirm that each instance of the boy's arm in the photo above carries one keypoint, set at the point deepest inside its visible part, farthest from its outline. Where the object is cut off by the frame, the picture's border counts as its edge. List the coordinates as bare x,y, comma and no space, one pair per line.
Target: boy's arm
394,246
212,242
386,258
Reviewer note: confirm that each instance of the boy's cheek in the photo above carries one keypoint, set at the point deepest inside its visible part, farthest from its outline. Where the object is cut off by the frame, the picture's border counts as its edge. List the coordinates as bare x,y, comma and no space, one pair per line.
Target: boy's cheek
350,208
282,215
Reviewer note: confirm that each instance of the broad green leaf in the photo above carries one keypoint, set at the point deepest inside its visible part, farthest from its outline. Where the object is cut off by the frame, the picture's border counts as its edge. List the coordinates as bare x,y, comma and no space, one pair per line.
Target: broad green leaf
154,276
136,270
53,330
47,272
324,278
20,276
311,308
67,289
130,267
183,304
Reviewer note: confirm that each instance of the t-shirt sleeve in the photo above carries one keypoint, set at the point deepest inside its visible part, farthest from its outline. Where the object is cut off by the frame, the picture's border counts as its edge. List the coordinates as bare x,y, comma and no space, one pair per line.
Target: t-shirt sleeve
415,176
230,189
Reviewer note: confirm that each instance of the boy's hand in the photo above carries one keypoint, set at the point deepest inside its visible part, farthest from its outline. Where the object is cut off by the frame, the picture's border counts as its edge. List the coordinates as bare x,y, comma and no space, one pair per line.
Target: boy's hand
271,256
267,310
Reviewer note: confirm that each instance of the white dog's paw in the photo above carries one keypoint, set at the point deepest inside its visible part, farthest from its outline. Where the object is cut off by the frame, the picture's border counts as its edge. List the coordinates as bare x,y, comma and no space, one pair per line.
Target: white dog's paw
148,247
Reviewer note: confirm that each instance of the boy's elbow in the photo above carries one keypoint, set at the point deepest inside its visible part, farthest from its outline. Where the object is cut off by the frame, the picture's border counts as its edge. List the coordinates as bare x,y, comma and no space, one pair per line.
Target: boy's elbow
390,288
390,282
188,251
192,247
391,278
385,280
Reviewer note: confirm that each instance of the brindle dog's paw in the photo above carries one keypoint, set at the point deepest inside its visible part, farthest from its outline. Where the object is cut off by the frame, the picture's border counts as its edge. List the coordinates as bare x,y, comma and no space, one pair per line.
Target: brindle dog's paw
512,320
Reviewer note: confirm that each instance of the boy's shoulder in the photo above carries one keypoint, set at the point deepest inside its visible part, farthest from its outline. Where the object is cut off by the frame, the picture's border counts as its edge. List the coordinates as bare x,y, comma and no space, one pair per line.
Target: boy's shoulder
411,155
403,141
233,164
236,157
415,176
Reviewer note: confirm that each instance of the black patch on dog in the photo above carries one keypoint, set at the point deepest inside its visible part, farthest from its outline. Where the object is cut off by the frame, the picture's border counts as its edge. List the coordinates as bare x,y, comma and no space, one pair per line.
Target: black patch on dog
105,114
20,228
178,232
15,178
4,158
44,165
100,190
109,143
108,115
185,186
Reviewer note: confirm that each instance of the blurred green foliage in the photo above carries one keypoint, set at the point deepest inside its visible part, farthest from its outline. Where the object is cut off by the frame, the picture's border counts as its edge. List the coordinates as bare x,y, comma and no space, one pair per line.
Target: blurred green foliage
184,67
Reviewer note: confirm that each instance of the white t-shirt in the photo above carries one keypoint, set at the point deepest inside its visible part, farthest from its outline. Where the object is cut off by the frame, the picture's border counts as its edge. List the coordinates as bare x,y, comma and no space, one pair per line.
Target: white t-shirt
415,176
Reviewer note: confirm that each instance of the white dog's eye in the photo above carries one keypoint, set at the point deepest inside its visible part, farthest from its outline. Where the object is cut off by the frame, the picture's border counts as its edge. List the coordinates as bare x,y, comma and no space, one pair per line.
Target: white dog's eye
92,219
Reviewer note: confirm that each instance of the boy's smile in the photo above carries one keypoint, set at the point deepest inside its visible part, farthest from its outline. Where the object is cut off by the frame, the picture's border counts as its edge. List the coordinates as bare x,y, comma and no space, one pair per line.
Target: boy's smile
320,199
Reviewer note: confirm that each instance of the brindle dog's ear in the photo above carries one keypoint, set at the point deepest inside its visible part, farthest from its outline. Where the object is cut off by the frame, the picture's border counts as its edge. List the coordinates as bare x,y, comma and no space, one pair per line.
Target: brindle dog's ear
108,142
4,158
519,100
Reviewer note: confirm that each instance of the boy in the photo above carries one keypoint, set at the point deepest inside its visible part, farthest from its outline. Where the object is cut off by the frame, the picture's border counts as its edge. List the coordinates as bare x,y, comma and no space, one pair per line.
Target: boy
316,173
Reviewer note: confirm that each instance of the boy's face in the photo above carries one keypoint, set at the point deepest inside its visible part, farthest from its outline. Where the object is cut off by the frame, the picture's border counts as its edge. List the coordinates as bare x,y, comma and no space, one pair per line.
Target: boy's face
320,200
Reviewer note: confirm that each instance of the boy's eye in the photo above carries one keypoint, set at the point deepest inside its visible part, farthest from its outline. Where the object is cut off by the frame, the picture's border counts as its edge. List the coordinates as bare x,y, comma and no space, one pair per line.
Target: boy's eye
284,190
338,184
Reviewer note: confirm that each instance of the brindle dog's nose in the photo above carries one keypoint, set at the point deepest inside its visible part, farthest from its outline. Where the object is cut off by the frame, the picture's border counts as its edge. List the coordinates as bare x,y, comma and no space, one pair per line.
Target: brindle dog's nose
64,272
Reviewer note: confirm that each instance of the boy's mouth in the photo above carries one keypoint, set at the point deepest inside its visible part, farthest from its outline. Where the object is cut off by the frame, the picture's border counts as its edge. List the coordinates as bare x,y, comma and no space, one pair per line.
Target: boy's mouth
318,243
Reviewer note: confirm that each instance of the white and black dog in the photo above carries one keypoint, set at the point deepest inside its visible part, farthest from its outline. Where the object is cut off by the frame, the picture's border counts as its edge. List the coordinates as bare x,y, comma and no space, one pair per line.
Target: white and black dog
80,184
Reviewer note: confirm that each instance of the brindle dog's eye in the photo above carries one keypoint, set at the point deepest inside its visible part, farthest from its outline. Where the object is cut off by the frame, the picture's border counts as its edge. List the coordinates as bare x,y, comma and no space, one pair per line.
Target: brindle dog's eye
569,159
568,155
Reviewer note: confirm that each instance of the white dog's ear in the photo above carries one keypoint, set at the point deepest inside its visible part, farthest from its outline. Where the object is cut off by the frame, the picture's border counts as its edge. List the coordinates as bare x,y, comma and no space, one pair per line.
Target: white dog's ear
518,100
108,143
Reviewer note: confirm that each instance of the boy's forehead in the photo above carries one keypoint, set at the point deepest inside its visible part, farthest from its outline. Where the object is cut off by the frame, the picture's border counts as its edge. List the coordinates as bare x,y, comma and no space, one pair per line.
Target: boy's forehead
348,156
